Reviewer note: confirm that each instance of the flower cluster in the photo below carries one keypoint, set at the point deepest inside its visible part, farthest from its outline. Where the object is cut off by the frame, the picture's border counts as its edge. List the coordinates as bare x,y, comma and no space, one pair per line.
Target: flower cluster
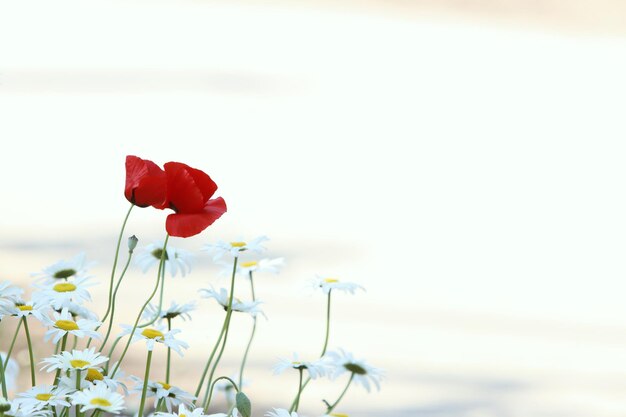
83,371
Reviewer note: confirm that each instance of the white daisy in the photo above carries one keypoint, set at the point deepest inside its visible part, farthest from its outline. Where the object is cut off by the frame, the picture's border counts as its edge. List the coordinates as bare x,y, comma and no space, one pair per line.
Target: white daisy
94,376
77,360
18,411
42,396
63,324
62,270
175,259
281,412
78,310
342,362
58,293
152,335
174,310
170,394
245,268
9,293
221,248
315,368
98,397
250,307
183,411
11,371
20,308
327,284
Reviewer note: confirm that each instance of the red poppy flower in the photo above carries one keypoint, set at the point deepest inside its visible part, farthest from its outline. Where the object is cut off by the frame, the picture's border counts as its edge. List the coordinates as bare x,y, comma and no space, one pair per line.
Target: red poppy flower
189,193
145,182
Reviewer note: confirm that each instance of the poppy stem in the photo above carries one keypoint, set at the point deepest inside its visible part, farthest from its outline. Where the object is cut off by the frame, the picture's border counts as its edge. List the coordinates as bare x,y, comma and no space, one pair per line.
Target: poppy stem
145,384
156,287
117,287
30,352
117,252
225,327
245,355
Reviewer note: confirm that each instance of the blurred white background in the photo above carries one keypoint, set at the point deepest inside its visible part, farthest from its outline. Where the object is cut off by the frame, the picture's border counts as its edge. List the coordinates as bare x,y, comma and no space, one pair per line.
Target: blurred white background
468,172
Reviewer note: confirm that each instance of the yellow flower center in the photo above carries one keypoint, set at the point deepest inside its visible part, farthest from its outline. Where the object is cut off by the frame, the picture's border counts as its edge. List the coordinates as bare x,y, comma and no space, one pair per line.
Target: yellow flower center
152,333
25,308
78,363
66,325
100,402
339,415
64,287
165,385
94,375
237,244
182,415
249,264
296,363
43,397
330,280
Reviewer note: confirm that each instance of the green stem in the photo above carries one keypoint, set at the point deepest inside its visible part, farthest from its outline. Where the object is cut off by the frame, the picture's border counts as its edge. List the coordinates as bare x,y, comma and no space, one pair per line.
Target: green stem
327,324
226,378
229,313
30,352
161,291
2,380
78,389
332,407
295,408
219,339
169,353
245,355
57,375
117,287
145,385
17,329
325,343
117,252
156,287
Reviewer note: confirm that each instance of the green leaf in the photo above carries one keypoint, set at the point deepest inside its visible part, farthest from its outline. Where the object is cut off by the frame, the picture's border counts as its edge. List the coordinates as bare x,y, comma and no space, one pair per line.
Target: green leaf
243,404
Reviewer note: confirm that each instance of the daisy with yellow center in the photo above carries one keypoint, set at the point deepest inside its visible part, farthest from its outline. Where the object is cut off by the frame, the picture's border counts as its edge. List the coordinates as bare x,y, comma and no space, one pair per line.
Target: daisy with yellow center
76,360
244,269
171,395
329,283
42,396
63,323
98,397
59,293
233,248
158,334
20,308
251,307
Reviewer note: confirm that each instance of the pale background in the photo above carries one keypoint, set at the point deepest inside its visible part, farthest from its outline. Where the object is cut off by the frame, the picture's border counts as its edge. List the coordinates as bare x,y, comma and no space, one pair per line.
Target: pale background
463,161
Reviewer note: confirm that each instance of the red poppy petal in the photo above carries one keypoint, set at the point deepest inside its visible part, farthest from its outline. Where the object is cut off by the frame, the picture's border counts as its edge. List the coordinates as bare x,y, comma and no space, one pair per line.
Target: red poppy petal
206,185
190,224
145,182
183,195
151,192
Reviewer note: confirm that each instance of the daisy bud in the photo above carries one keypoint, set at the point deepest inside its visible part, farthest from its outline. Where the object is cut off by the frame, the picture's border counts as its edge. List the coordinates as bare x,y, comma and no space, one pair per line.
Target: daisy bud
4,405
132,243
